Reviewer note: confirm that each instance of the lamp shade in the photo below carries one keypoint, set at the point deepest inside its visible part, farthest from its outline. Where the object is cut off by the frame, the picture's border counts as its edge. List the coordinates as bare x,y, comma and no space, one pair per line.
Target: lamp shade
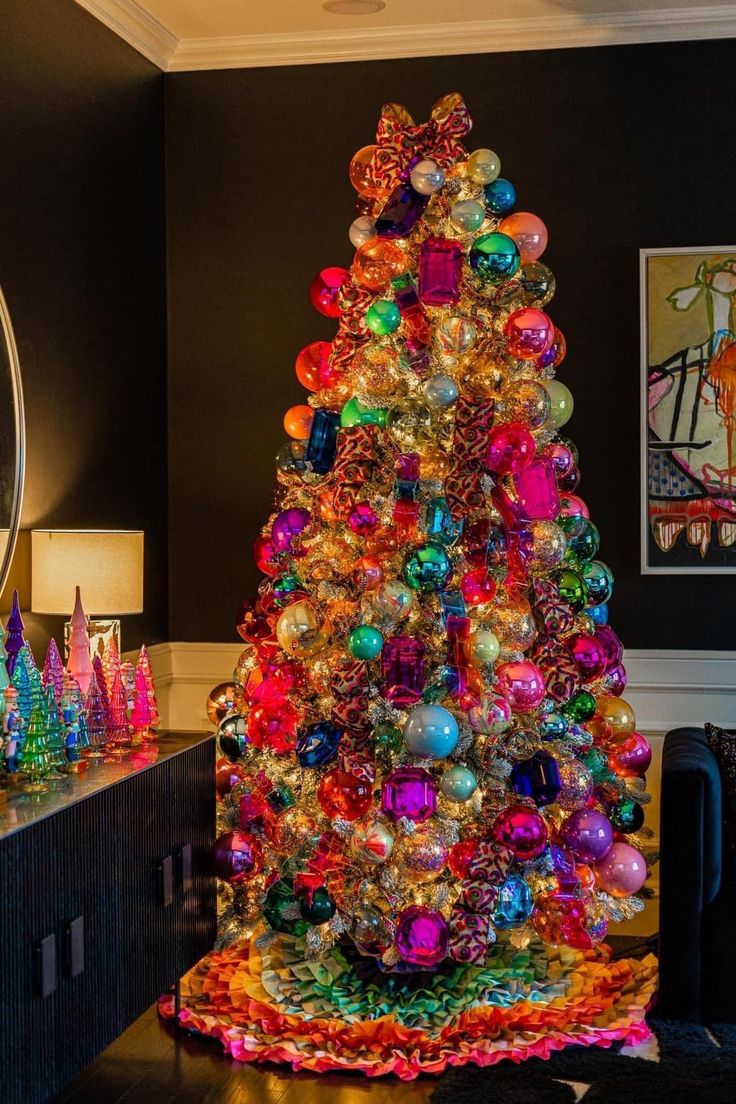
106,564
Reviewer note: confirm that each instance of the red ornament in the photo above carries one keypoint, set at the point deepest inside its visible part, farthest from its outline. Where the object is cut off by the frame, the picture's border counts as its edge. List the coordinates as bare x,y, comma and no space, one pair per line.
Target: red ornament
530,333
342,795
252,623
227,774
631,757
460,857
273,725
264,554
478,587
312,366
237,857
324,291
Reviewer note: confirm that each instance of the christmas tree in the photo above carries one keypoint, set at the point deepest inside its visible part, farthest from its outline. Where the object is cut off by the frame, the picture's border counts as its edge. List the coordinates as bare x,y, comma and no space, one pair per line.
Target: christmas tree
79,662
144,662
14,639
73,718
34,757
140,714
96,719
118,730
53,671
437,787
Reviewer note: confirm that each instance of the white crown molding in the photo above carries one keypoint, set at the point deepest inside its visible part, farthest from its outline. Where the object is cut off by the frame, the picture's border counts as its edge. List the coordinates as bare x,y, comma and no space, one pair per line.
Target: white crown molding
137,27
560,31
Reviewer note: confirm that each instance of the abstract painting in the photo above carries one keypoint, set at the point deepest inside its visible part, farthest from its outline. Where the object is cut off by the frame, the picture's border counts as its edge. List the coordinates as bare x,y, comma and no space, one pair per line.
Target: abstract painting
688,349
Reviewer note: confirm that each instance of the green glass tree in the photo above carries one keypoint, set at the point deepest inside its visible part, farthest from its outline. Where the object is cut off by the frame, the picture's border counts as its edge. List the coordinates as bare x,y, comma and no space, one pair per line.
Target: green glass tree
54,731
22,683
34,758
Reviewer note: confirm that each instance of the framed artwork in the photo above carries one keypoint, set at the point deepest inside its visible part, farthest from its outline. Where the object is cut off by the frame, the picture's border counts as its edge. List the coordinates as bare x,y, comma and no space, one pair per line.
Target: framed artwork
688,403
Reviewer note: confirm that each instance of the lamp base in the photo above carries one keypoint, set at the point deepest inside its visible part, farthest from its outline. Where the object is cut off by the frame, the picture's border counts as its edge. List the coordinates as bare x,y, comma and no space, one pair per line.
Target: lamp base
100,634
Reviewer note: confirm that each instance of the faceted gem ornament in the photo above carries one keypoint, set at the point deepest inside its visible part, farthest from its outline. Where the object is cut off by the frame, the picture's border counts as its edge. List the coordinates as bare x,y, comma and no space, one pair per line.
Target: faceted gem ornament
317,744
365,642
536,490
282,910
402,670
409,792
494,257
343,796
421,936
522,830
458,784
428,568
537,777
440,265
402,209
322,444
514,904
431,732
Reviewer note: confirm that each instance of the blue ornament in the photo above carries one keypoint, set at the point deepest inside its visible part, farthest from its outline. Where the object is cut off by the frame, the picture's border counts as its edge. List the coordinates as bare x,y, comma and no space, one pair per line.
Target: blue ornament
431,732
537,777
599,614
322,444
439,522
499,196
428,568
599,579
458,784
552,726
514,904
452,604
439,392
317,744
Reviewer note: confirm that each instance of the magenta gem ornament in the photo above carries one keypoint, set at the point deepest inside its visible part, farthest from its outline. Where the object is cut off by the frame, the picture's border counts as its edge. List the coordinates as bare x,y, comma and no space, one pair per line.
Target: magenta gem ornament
440,263
536,490
421,936
409,792
402,668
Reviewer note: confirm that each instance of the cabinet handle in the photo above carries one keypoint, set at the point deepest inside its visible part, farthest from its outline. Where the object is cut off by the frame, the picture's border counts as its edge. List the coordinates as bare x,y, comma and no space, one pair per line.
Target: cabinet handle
166,881
74,947
45,955
186,868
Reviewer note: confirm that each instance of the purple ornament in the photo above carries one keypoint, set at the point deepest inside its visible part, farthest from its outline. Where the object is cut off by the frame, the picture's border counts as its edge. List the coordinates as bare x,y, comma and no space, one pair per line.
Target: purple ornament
400,212
588,834
562,458
417,356
440,264
614,680
538,778
237,857
409,792
287,525
612,647
536,490
402,667
421,936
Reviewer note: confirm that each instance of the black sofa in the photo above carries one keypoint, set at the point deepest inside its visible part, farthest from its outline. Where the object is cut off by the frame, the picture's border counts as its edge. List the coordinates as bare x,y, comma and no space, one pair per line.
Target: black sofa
697,886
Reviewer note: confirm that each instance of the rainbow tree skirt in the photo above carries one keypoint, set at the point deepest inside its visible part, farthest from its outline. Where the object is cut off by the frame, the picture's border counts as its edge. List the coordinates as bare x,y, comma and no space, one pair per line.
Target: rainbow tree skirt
341,1013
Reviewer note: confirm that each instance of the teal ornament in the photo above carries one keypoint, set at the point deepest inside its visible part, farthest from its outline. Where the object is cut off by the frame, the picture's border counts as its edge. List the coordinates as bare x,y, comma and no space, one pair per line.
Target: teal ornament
354,413
514,904
599,614
494,257
320,908
597,763
431,732
458,784
626,816
282,910
281,797
428,568
553,726
599,580
387,737
439,392
365,642
439,522
383,317
499,196
585,544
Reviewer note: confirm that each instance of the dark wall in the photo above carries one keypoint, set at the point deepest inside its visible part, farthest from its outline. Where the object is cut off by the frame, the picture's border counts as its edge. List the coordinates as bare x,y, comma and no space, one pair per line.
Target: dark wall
616,148
82,264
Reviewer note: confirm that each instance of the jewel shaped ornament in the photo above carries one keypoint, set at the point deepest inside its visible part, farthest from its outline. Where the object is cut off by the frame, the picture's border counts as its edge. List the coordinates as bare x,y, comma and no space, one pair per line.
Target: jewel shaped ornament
409,792
538,778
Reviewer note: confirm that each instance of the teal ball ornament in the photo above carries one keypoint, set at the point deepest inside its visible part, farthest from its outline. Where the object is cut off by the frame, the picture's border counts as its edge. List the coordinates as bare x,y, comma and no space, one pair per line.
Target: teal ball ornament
494,257
320,908
458,784
431,732
383,317
514,904
599,580
365,642
626,816
552,726
427,568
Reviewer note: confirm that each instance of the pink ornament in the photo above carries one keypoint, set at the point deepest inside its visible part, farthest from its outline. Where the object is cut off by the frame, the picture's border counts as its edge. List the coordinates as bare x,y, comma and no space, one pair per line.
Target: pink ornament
589,656
522,829
313,368
530,333
264,554
287,526
324,291
622,871
522,684
421,936
363,519
536,490
477,587
529,233
632,757
561,456
612,646
79,663
510,447
614,680
588,834
573,506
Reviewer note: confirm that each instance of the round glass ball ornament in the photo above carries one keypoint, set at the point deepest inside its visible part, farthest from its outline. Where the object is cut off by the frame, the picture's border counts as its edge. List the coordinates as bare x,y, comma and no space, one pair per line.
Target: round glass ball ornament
361,230
514,904
523,830
616,712
428,568
482,648
561,404
589,656
393,599
467,216
372,842
529,333
365,642
499,196
522,684
427,177
354,413
456,335
298,421
494,257
324,291
363,519
439,392
264,555
588,834
576,784
377,262
291,459
232,736
537,283
298,630
458,784
529,233
630,757
344,796
421,856
599,581
626,816
484,165
478,587
287,526
318,907
312,368
237,857
527,402
571,588
358,171
227,775
552,726
622,871
221,701
555,354
460,857
431,732
383,317
510,447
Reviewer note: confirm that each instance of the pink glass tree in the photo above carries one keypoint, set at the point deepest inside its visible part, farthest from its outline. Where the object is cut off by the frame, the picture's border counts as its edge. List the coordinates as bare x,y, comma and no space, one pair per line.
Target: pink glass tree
79,663
140,717
96,728
110,663
102,687
118,732
144,662
15,639
53,671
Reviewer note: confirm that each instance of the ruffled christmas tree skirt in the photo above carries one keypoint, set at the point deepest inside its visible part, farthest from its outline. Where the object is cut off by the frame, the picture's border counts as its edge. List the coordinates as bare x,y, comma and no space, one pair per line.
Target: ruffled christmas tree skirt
272,1005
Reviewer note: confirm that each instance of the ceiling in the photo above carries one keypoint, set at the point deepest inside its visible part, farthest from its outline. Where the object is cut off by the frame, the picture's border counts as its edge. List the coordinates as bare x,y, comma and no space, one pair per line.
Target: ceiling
224,34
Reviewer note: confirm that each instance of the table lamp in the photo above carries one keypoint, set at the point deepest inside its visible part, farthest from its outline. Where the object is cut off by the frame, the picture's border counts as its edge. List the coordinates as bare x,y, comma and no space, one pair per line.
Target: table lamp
107,566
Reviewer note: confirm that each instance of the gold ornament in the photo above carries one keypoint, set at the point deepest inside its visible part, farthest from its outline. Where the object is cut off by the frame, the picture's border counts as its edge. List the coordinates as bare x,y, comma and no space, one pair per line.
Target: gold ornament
482,374
378,371
513,625
548,544
421,856
221,700
299,632
435,463
526,401
294,829
410,424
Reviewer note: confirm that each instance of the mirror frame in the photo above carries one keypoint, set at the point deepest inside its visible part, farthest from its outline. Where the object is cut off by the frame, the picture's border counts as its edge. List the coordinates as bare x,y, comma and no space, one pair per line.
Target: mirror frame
20,438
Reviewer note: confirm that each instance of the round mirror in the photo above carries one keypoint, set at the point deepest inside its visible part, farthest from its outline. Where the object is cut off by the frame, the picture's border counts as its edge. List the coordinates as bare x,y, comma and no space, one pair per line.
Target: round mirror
12,442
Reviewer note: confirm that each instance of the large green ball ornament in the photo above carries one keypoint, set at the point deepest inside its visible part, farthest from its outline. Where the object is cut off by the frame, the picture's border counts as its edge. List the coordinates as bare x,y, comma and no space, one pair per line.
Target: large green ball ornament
427,568
383,317
458,784
571,587
599,581
580,708
281,910
365,642
494,257
586,542
561,403
320,909
626,816
597,763
354,413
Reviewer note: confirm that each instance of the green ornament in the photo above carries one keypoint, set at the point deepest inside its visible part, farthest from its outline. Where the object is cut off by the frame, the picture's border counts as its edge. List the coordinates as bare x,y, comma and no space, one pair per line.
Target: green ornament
387,737
353,413
580,707
597,763
494,257
626,816
584,545
320,909
281,797
599,580
571,587
284,586
34,757
427,568
383,317
282,910
365,642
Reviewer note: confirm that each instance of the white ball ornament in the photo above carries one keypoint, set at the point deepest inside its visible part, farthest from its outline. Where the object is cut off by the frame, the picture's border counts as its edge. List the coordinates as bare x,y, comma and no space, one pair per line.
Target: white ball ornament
467,216
427,177
362,230
439,392
393,599
483,648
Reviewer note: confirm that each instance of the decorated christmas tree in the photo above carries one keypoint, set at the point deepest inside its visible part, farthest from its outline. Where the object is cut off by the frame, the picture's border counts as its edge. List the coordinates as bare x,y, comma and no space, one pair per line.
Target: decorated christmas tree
35,759
96,719
79,662
118,730
432,788
144,662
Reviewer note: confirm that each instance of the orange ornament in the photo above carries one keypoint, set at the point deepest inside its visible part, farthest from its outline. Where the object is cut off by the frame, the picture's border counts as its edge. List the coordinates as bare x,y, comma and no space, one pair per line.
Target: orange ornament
377,262
529,233
298,421
359,171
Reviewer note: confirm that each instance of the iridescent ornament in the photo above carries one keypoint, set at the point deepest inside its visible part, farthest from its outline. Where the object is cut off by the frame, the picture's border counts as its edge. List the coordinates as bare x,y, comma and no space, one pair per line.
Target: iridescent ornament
482,648
421,856
552,726
377,262
458,784
232,736
522,684
492,716
361,230
324,291
529,233
576,783
521,829
537,777
499,196
588,834
439,392
622,871
221,701
467,216
393,599
409,792
372,842
599,581
427,177
561,404
494,257
456,335
365,642
510,447
514,903
298,630
343,796
483,166
363,519
237,857
317,744
383,317
431,732
421,936
427,568
529,333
